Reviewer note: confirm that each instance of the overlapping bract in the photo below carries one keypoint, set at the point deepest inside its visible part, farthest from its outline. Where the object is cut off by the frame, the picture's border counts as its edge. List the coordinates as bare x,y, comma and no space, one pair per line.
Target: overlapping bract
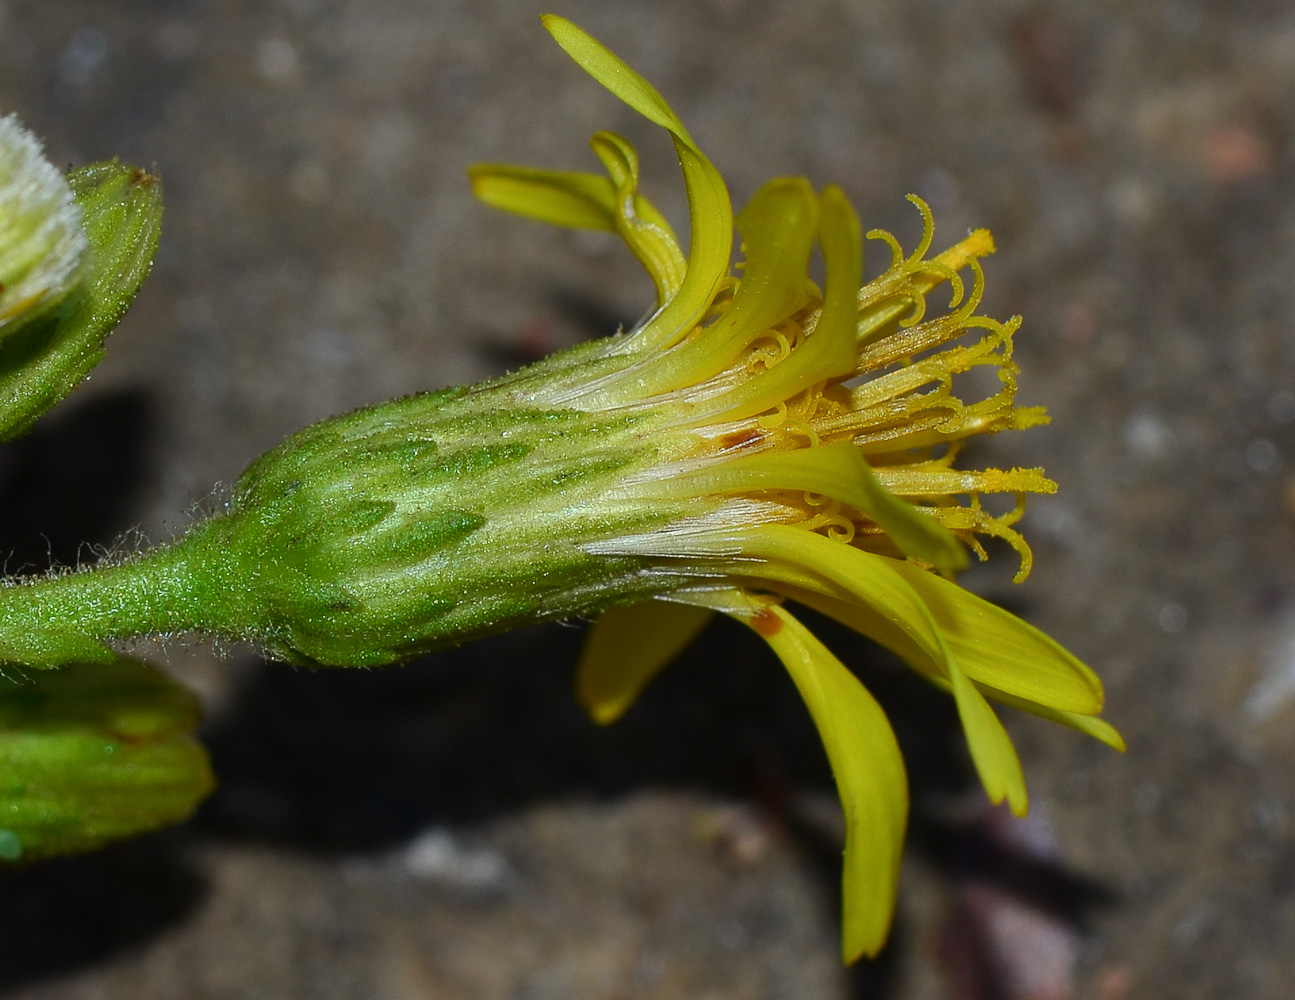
827,424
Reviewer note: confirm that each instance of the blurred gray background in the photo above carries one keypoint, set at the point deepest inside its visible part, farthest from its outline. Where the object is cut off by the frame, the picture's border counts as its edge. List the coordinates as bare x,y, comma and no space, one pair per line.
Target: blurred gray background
455,828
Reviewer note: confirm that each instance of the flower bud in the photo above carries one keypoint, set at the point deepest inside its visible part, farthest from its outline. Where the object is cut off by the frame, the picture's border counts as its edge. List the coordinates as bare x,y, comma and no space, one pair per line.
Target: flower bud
73,253
42,244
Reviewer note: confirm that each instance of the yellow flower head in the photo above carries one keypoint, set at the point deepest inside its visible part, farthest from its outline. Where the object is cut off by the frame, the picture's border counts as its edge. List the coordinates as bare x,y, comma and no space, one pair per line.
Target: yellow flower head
817,431
756,440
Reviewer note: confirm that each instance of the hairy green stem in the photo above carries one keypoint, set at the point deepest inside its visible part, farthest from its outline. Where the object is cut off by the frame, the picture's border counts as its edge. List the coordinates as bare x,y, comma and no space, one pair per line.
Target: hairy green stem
51,620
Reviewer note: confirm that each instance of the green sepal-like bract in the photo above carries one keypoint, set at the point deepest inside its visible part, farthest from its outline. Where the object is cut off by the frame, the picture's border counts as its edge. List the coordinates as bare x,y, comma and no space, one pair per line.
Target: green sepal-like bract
388,532
94,753
45,355
427,521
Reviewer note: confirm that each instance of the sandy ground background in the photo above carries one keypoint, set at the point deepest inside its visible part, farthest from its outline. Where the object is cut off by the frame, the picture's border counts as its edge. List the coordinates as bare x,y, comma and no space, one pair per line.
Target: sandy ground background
455,828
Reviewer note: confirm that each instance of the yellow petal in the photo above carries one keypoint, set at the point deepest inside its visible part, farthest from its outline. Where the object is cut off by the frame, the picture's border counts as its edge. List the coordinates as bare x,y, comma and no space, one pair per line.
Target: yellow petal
841,241
642,227
710,216
709,210
791,554
837,471
587,201
869,623
778,556
778,229
918,535
991,748
827,469
869,772
612,72
626,648
1090,725
564,198
829,350
876,582
621,160
998,649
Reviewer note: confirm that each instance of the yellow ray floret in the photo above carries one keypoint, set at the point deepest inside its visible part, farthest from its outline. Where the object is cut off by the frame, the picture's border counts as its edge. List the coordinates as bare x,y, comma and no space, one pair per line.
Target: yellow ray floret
810,438
710,213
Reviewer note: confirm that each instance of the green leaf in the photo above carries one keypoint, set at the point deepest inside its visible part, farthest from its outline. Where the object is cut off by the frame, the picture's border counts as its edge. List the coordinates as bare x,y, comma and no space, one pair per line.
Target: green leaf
121,209
91,754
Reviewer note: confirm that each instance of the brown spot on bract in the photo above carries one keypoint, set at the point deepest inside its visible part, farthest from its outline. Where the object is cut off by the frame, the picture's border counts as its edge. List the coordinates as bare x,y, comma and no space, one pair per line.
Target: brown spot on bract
766,623
739,439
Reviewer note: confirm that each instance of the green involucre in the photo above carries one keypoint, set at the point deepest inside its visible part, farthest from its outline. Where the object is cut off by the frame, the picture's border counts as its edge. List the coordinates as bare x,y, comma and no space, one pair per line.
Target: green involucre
430,520
382,534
